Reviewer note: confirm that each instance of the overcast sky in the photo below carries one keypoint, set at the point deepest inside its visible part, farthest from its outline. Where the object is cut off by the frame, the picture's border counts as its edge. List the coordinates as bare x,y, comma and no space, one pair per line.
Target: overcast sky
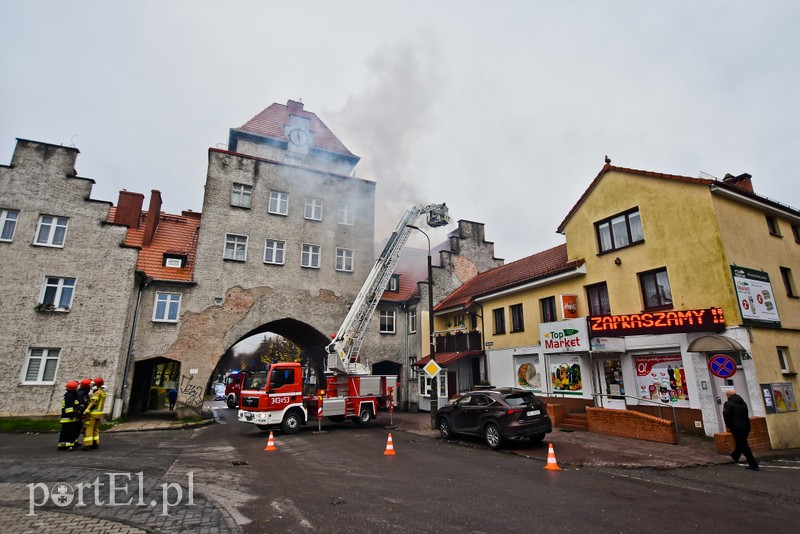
503,110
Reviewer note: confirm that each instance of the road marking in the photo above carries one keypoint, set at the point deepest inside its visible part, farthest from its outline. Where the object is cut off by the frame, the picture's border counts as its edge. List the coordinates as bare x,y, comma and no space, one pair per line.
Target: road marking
287,506
681,486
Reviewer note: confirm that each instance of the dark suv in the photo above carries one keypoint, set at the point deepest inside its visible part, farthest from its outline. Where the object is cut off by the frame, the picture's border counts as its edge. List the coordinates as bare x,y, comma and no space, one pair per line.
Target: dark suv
497,415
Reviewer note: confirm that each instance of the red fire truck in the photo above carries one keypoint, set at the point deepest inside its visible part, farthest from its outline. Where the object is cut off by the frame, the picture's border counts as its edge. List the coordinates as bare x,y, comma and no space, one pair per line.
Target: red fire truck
275,396
234,383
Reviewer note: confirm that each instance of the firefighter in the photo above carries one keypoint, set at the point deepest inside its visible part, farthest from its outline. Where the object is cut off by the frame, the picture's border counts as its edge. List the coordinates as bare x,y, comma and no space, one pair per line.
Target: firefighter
92,416
84,393
70,418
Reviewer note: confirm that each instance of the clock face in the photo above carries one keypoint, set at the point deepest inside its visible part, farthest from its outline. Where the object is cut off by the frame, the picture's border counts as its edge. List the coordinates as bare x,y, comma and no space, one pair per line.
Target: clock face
298,137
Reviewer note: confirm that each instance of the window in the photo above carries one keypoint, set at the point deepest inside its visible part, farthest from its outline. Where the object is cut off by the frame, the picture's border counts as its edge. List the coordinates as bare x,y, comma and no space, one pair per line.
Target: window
235,247
412,321
619,231
8,223
473,321
394,284
274,251
425,384
517,320
597,296
310,256
313,209
656,292
772,225
795,231
548,307
788,282
57,292
346,214
167,307
240,195
278,203
51,231
387,322
41,366
785,360
344,259
499,317
174,261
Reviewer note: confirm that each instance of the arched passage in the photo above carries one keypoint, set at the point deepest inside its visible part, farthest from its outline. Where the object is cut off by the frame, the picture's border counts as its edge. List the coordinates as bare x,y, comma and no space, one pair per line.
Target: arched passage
152,379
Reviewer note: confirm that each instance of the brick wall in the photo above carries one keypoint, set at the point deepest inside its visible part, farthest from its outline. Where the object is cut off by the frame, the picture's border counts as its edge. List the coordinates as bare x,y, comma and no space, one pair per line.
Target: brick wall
758,438
557,412
629,424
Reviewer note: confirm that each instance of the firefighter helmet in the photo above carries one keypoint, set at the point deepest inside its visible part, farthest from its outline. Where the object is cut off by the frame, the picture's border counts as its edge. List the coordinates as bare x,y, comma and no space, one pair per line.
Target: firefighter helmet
98,382
72,386
86,383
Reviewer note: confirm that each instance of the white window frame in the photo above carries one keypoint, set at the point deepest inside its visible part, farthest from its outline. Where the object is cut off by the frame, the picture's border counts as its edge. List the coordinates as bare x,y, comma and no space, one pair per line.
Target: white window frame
278,203
347,214
412,321
64,291
241,195
313,211
8,220
235,243
171,303
344,260
387,317
425,384
393,284
274,248
310,256
45,358
47,231
173,263
785,359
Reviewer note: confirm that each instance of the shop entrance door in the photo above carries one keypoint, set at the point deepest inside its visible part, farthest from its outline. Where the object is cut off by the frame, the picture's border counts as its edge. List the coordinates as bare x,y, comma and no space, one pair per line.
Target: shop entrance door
610,382
738,382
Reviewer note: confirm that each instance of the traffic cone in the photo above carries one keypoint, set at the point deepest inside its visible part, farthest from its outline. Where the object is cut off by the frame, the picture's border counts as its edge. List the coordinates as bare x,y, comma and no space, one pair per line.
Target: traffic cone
389,447
270,444
551,465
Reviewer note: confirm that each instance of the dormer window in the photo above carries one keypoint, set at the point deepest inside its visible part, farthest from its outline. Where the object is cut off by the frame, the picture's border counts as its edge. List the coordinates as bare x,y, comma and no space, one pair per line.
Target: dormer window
174,261
394,283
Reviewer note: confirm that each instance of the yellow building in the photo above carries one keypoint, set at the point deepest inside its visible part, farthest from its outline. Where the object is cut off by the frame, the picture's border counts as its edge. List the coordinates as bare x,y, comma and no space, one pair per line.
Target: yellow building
670,290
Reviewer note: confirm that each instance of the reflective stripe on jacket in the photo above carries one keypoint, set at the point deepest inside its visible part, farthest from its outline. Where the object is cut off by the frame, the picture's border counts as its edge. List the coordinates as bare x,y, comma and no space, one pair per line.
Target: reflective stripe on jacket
96,403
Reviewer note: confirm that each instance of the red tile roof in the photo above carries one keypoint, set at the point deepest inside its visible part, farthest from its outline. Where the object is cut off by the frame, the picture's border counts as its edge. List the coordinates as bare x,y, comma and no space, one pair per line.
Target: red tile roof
175,234
407,289
446,358
540,265
272,120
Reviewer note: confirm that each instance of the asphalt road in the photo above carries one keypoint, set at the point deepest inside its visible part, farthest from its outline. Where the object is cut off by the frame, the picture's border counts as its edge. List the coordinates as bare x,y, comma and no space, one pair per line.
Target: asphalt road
341,481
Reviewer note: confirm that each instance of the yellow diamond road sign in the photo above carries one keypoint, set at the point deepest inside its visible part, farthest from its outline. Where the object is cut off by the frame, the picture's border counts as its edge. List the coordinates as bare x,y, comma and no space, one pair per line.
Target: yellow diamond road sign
432,369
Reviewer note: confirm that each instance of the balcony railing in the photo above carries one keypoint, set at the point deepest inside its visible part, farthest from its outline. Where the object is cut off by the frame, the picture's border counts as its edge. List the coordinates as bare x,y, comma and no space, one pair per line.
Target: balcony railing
459,342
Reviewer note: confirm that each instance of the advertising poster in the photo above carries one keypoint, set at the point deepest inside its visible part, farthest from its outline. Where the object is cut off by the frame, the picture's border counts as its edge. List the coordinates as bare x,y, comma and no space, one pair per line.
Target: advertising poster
755,296
662,379
783,395
566,375
528,372
571,335
569,306
766,394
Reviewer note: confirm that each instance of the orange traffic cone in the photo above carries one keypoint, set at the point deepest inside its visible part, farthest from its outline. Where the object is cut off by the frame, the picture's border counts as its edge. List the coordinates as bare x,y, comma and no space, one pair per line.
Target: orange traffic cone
389,447
270,444
551,465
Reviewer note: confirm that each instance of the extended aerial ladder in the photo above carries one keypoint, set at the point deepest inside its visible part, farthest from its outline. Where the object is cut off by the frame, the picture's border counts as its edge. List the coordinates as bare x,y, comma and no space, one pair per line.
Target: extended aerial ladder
344,350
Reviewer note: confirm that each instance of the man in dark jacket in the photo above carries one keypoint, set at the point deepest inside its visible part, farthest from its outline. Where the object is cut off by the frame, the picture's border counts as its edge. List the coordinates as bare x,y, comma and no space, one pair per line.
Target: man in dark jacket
737,420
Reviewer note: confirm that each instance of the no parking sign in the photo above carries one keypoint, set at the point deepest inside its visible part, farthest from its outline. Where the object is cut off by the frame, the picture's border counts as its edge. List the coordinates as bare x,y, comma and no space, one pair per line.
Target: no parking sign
722,365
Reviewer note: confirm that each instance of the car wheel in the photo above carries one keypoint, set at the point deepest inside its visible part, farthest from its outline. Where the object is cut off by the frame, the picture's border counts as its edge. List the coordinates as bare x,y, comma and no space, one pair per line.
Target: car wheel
364,417
493,437
444,428
231,401
291,423
537,438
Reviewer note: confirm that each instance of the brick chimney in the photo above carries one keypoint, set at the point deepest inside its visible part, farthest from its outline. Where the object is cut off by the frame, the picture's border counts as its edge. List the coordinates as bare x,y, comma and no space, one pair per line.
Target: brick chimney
129,208
153,217
742,181
294,107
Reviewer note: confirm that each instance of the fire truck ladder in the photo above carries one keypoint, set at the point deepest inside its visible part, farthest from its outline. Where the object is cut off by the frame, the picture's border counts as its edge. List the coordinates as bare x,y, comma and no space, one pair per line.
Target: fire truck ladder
344,350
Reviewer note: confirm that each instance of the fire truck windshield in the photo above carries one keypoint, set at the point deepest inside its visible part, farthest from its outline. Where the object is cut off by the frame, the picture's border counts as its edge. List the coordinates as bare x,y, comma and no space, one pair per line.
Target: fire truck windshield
256,381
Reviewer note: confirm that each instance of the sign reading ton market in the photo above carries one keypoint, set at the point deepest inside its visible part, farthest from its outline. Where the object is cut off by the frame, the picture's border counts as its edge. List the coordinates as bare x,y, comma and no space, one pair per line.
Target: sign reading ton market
660,322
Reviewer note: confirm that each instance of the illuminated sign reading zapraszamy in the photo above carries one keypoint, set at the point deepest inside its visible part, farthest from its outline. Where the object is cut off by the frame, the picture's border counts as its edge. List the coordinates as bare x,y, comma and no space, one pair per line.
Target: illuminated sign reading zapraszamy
658,322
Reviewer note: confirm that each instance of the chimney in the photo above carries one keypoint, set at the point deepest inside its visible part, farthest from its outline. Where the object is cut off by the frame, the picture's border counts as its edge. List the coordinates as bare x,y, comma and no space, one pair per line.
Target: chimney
294,107
742,182
129,209
153,216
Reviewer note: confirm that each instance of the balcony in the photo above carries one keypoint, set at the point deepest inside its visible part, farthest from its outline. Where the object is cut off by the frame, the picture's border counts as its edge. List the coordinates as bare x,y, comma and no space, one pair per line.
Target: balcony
458,342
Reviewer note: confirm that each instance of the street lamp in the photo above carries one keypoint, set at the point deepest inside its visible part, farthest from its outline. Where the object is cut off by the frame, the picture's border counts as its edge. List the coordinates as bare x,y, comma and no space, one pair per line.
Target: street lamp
434,388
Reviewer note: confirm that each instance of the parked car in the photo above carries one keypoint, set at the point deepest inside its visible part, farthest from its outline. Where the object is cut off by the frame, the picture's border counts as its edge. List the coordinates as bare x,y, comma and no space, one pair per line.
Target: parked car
497,414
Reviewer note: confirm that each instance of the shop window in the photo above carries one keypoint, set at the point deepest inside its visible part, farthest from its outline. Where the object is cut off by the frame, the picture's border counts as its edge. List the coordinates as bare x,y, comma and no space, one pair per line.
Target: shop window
656,293
619,231
548,307
499,317
597,297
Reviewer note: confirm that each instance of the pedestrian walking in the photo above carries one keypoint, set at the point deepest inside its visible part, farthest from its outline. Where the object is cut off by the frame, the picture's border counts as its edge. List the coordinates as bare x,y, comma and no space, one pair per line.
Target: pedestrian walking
173,397
737,419
70,418
92,416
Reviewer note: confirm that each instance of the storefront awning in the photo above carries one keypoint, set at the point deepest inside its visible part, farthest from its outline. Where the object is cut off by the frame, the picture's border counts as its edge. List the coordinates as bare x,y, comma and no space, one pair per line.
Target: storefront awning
446,358
715,344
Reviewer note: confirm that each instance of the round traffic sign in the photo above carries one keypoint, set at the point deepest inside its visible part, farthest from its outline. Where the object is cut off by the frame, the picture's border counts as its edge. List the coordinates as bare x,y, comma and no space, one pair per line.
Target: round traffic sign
722,365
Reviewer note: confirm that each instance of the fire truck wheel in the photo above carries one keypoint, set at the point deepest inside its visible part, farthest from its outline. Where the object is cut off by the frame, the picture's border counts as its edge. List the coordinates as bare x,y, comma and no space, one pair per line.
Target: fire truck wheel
231,401
291,423
364,417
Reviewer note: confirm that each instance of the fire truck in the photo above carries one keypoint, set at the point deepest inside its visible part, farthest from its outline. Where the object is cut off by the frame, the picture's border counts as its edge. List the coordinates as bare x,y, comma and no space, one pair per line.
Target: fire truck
234,383
275,396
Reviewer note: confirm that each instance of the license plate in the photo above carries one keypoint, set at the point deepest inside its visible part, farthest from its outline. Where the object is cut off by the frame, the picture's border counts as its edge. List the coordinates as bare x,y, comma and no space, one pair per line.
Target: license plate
533,412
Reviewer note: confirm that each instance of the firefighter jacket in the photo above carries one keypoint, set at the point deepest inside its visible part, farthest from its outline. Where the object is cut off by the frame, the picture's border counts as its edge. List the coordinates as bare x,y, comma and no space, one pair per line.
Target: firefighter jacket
70,407
95,406
83,398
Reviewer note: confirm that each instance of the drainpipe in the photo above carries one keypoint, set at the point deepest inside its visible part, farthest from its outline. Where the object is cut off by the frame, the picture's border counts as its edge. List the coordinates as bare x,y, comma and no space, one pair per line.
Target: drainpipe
144,282
483,345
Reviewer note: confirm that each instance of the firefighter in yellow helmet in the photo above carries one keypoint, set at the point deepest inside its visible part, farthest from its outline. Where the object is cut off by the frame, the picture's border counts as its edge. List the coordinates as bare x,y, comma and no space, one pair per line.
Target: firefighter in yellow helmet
70,418
92,416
